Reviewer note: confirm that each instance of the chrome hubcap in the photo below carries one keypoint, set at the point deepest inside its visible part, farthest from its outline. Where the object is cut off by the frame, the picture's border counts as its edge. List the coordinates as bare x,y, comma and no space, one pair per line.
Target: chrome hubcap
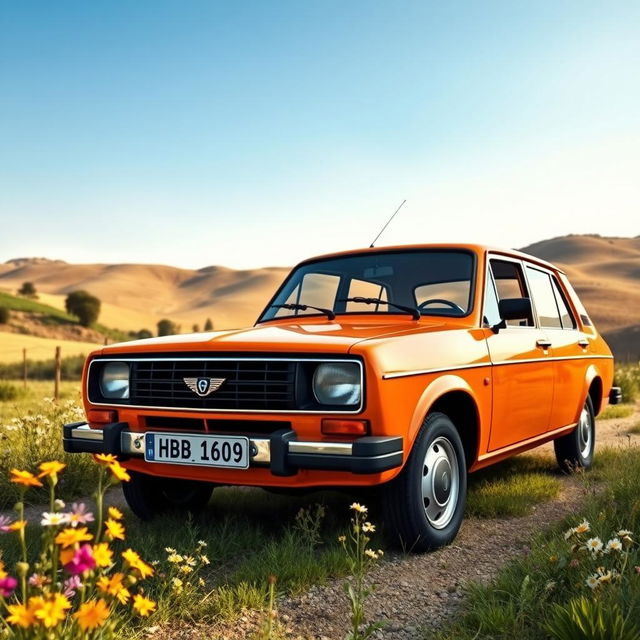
440,483
585,435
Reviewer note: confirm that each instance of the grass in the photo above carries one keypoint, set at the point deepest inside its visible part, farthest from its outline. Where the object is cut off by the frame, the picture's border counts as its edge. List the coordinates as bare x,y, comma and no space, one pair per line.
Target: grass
617,411
17,303
535,590
634,428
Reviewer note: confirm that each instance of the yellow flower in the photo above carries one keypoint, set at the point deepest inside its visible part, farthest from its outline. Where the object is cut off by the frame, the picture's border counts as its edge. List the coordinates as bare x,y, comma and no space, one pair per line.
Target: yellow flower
372,554
52,609
111,585
342,538
368,527
25,478
583,527
143,605
102,554
68,537
115,513
18,525
92,614
114,529
358,507
136,562
105,458
20,615
123,595
174,558
66,555
185,568
51,469
119,471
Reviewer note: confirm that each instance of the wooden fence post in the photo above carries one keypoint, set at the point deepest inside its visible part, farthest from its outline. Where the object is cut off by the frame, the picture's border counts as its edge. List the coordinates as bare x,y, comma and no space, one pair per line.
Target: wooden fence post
56,386
24,367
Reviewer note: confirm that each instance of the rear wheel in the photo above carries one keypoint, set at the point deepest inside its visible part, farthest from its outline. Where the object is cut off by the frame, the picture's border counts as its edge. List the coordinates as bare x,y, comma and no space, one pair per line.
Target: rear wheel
148,496
575,450
424,504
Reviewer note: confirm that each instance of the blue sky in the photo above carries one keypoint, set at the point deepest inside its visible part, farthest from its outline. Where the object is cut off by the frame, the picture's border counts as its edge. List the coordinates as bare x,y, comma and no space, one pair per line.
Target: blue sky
259,133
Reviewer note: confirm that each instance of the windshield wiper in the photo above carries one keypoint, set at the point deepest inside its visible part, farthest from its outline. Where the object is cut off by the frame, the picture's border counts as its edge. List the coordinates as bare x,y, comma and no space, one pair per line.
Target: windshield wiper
412,310
303,307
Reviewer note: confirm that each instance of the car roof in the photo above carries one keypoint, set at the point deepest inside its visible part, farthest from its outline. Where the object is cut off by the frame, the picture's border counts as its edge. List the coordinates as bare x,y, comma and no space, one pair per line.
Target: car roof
475,248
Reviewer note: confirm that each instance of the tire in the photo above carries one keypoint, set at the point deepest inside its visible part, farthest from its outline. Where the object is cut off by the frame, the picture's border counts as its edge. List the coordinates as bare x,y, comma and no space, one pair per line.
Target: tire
424,505
148,496
575,450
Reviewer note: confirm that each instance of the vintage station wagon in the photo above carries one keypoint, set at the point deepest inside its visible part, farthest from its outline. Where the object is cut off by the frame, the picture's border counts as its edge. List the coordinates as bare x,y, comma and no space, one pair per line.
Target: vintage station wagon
405,368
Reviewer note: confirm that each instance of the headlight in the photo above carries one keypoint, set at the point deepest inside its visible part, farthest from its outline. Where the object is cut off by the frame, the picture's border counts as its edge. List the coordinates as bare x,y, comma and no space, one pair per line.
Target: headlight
114,380
337,383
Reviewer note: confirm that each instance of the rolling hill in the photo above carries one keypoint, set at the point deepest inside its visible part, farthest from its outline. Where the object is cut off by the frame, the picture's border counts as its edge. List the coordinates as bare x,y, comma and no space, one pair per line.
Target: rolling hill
605,272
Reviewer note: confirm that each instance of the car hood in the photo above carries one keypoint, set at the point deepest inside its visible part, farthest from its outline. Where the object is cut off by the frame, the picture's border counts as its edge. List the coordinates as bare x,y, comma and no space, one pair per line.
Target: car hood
304,337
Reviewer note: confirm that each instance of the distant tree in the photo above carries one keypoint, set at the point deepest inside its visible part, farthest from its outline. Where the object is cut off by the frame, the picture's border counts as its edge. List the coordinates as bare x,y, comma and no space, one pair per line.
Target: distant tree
195,328
143,334
27,290
4,315
208,325
166,327
83,305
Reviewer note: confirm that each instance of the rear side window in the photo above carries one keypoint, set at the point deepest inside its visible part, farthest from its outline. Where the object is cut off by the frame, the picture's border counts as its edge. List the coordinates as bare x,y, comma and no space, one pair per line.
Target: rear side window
510,283
544,299
584,316
568,321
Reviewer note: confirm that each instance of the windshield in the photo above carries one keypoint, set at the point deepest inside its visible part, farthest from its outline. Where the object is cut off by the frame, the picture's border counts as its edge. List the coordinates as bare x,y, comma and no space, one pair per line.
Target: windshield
435,281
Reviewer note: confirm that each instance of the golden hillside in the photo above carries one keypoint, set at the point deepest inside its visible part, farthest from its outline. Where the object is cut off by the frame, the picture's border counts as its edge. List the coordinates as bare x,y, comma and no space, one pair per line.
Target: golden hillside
606,274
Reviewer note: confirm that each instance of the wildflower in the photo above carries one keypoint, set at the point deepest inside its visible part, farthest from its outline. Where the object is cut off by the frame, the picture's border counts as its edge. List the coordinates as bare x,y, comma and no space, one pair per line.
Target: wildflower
170,550
190,560
614,545
102,554
143,605
82,561
368,527
25,478
114,529
604,576
21,615
202,543
204,559
51,470
54,519
115,513
7,586
105,458
38,581
624,532
569,533
5,521
79,514
92,614
185,568
68,537
71,585
201,582
372,554
594,545
177,585
18,525
574,563
119,471
111,585
59,504
136,562
592,581
358,507
174,558
52,609
342,539
583,527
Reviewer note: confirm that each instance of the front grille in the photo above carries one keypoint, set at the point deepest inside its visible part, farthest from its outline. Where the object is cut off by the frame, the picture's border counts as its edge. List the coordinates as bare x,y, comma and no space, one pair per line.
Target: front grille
249,384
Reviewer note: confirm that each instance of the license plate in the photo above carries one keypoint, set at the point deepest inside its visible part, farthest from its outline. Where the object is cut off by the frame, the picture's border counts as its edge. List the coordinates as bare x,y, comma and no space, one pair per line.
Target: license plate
205,450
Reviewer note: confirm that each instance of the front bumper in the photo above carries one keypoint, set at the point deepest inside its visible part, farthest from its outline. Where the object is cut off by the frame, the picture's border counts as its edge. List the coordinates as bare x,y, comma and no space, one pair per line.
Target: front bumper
281,451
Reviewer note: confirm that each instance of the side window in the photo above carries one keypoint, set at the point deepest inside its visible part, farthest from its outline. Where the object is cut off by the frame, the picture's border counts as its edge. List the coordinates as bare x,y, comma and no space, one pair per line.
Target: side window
491,315
510,283
568,321
544,299
365,289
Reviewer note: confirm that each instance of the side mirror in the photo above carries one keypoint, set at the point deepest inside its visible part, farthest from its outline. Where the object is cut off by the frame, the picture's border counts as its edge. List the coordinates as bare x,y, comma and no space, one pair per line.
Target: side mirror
512,309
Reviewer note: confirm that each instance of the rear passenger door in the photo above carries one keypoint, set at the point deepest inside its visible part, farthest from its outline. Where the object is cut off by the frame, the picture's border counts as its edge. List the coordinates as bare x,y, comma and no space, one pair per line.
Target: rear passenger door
522,370
569,346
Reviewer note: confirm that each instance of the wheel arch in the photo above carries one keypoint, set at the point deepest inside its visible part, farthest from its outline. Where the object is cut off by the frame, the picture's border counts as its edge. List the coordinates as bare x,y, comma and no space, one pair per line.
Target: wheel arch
453,396
593,388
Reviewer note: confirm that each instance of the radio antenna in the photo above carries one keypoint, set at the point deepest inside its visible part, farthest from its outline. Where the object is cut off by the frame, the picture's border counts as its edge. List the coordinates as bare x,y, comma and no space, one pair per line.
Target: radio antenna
386,225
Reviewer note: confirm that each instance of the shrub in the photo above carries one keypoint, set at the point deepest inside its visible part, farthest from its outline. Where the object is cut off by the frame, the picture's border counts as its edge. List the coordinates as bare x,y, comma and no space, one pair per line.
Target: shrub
167,328
9,391
83,305
27,290
4,315
628,379
208,325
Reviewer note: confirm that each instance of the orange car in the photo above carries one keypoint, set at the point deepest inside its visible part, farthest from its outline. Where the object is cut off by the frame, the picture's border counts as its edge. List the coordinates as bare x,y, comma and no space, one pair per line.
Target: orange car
404,367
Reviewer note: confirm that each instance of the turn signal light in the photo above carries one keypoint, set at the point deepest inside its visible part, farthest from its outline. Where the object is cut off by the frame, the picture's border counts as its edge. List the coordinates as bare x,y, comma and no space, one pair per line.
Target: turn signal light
345,427
96,416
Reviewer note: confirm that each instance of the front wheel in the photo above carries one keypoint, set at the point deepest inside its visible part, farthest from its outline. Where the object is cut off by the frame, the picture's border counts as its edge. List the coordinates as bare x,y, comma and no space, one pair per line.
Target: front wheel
424,504
148,496
575,450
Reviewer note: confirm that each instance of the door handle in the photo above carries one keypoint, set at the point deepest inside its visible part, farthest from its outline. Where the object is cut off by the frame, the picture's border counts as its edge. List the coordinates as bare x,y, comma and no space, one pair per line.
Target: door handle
584,343
543,342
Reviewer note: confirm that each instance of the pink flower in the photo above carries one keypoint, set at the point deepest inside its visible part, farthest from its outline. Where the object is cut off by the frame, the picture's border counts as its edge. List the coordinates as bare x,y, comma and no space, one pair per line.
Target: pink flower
5,521
79,514
7,586
70,586
38,580
82,561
